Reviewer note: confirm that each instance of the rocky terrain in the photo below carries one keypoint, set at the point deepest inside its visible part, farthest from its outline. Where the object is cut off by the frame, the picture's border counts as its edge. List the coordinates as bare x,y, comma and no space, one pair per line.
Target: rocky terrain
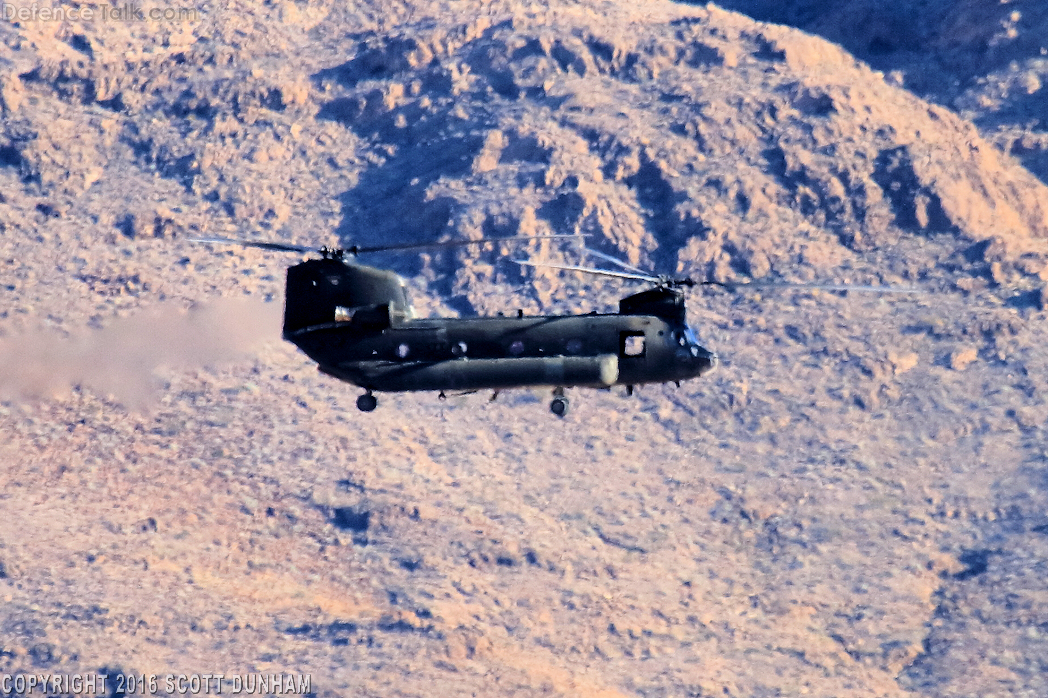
985,59
854,504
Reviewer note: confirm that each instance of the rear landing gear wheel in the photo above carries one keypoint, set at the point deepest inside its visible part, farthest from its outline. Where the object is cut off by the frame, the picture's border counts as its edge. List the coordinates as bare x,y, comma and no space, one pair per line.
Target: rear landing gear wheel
367,402
559,406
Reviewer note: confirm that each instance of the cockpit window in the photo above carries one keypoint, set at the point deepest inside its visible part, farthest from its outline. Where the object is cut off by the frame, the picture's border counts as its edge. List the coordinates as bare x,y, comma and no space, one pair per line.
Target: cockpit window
684,338
632,344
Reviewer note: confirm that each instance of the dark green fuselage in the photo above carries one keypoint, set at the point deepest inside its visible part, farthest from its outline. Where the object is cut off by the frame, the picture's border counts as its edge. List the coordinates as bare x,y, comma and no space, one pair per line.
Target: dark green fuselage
355,322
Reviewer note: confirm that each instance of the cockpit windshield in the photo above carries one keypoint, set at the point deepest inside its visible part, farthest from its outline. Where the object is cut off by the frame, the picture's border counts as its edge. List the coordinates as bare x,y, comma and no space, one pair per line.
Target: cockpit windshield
688,346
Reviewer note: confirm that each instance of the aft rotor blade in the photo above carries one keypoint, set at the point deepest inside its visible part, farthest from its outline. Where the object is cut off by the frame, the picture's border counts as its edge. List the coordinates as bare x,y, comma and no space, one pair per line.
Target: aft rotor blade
614,260
760,285
588,270
356,249
456,243
261,244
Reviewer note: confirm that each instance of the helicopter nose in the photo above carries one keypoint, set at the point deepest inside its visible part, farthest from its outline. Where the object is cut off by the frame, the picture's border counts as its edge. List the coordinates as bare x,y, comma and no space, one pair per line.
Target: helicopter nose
708,362
698,359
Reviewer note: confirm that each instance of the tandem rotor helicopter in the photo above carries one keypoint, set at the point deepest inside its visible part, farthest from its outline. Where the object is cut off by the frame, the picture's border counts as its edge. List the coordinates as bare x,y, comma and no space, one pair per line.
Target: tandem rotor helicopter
357,323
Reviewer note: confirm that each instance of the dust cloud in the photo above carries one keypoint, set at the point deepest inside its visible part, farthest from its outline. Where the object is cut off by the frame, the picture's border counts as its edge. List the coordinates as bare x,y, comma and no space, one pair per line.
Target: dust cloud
123,360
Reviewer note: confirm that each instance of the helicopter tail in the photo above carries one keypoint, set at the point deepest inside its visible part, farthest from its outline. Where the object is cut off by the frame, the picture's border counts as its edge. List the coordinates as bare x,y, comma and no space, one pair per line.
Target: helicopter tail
325,291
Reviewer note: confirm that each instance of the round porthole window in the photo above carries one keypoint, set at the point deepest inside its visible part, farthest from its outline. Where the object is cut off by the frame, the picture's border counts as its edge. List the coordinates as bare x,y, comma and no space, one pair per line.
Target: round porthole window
403,351
459,349
516,348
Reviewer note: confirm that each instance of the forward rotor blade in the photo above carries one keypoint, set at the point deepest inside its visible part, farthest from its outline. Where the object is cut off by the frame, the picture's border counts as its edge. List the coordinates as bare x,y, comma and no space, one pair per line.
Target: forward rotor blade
760,285
588,270
262,245
614,260
457,243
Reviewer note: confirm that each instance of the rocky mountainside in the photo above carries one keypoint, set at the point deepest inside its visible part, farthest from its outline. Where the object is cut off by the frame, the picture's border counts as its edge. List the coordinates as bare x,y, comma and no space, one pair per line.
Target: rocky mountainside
855,504
985,59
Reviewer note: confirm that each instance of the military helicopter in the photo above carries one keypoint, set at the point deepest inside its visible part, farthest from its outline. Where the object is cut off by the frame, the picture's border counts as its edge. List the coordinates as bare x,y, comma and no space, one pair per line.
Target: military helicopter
357,323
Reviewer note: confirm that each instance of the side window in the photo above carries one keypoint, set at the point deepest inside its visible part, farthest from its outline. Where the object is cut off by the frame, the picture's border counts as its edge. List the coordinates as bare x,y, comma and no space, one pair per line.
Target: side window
632,344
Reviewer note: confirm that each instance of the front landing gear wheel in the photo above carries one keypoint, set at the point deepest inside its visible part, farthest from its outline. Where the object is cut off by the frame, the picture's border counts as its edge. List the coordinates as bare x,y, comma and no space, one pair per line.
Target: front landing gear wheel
367,402
559,406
